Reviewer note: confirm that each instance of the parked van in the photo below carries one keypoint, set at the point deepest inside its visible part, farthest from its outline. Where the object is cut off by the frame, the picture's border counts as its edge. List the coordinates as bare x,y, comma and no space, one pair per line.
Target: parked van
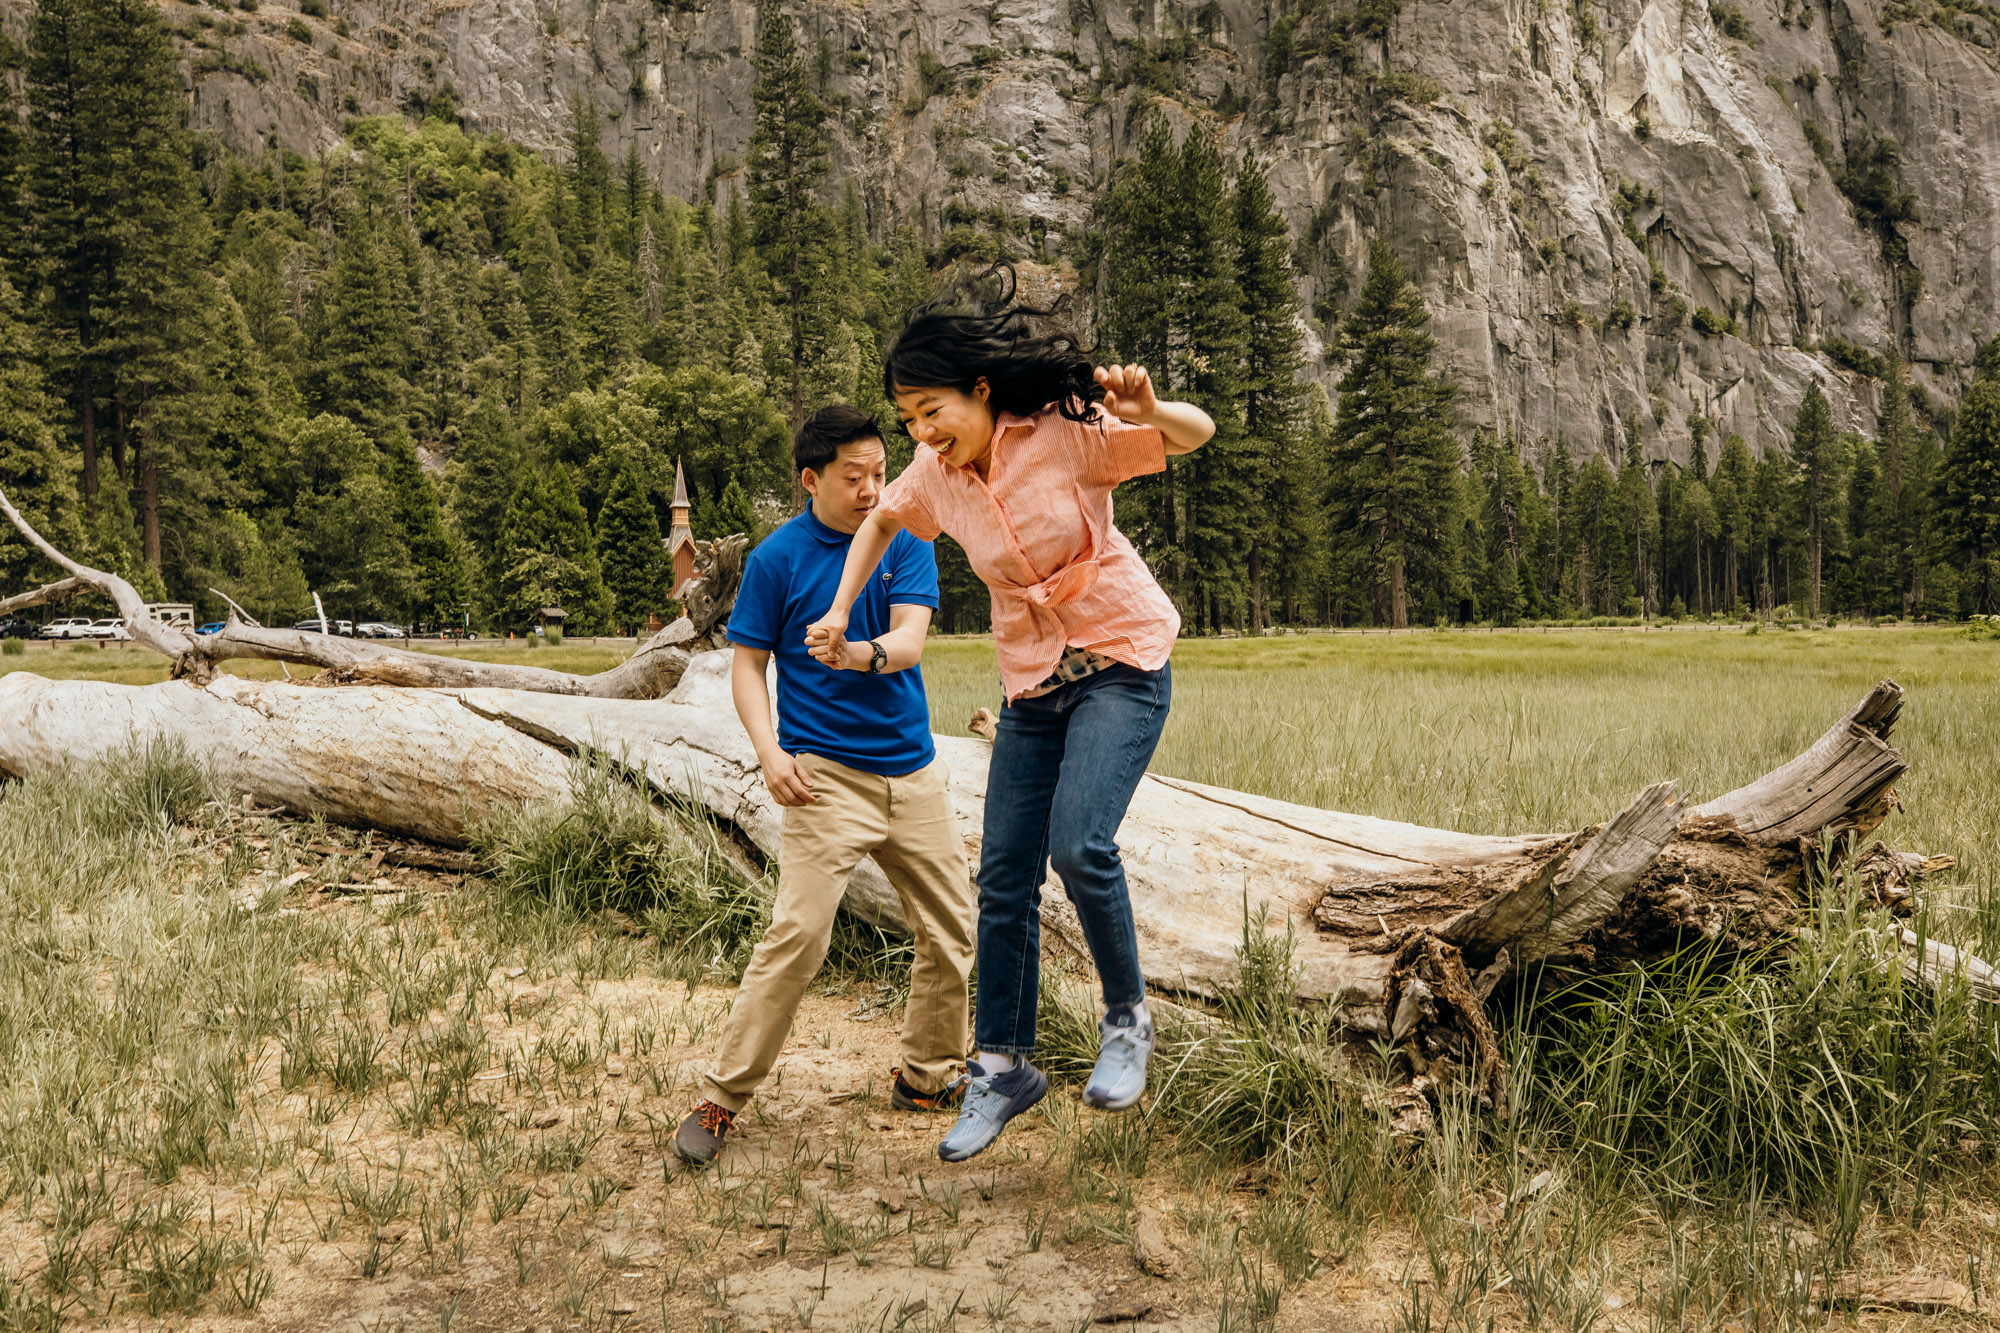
172,613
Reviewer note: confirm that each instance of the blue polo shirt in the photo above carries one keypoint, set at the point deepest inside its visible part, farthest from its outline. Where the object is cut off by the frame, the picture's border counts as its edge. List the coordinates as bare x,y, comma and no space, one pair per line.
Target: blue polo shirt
878,724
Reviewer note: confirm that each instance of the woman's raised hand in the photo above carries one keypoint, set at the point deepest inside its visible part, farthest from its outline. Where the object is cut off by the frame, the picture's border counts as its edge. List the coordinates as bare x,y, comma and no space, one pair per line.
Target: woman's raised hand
826,638
1128,392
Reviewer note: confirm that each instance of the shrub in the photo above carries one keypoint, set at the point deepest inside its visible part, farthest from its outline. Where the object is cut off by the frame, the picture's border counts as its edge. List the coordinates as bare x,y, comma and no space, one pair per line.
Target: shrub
1855,357
608,849
1621,316
1416,89
937,79
1807,1073
14,647
313,8
1500,137
297,30
1730,20
1712,324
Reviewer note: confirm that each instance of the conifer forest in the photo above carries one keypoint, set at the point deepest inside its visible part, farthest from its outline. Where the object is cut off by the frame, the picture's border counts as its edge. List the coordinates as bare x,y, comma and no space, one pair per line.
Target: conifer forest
1500,974
441,379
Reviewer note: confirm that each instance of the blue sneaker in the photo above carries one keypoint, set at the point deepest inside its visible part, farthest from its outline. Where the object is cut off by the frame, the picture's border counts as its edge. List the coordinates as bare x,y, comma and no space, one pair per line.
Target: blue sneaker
1120,1077
991,1100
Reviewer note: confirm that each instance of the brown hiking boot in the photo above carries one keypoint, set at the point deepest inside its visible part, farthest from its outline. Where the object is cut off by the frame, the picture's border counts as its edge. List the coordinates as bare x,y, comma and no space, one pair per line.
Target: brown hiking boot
699,1139
906,1098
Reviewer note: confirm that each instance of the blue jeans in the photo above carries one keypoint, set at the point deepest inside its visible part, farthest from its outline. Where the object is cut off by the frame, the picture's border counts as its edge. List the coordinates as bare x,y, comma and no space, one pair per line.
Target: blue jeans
1064,768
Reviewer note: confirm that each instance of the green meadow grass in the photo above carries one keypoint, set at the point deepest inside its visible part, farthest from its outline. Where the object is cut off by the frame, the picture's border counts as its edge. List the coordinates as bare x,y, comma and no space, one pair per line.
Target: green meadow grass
1709,1143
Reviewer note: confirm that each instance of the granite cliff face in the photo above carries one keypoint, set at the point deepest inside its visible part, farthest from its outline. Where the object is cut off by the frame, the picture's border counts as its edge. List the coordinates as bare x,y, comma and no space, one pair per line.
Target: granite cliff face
1625,214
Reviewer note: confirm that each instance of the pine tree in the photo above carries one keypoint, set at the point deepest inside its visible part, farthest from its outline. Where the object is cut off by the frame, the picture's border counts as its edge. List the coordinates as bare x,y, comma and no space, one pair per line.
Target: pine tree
1816,453
360,368
1734,476
1138,276
1274,392
353,542
479,485
440,592
1639,512
1227,477
636,568
610,322
589,174
549,555
788,163
1863,586
1393,453
70,203
1591,515
1501,484
731,513
1968,487
545,288
13,160
117,225
37,473
1905,493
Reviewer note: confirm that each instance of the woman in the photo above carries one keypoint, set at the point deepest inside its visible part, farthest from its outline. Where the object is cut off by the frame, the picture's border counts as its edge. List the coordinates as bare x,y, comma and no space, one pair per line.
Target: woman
1023,443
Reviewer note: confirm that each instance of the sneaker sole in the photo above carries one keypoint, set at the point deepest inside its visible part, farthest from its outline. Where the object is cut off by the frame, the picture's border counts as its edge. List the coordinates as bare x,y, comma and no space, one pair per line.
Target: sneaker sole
691,1159
1124,1104
1041,1091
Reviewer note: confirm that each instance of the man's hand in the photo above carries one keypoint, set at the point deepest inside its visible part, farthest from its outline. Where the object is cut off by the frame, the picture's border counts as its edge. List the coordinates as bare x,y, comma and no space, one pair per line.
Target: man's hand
826,639
1128,392
789,783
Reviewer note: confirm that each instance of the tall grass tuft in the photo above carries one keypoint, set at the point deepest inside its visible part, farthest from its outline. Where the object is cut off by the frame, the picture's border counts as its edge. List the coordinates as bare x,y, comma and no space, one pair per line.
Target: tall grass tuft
1807,1076
608,848
1264,1078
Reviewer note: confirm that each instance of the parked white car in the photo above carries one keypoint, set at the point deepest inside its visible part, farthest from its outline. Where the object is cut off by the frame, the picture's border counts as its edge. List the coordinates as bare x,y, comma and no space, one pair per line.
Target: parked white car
109,629
72,627
377,629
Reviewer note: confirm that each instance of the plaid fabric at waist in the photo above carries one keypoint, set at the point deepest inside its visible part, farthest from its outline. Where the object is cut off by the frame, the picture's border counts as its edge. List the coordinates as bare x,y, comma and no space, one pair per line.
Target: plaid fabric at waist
1076,664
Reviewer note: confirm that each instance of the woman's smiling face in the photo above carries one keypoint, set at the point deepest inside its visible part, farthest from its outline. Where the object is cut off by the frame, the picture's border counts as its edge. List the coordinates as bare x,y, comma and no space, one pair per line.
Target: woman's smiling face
958,425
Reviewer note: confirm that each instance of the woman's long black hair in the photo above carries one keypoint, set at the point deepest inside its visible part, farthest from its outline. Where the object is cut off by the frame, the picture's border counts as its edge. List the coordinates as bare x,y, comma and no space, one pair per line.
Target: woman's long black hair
968,335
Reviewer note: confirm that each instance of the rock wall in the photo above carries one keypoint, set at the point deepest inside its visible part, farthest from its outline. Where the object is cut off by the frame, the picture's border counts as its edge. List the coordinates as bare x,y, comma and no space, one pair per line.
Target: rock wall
1486,139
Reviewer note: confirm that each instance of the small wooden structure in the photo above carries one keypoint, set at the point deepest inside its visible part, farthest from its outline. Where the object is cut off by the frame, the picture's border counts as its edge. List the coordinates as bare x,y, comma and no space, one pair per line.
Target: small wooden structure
551,618
680,537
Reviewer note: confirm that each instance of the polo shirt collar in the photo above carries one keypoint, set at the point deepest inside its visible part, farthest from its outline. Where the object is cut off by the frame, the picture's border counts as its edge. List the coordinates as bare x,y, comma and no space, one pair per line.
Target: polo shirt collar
820,530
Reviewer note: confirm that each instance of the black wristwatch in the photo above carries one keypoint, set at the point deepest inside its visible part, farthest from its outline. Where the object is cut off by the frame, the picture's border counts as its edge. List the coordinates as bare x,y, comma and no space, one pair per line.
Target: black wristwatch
878,659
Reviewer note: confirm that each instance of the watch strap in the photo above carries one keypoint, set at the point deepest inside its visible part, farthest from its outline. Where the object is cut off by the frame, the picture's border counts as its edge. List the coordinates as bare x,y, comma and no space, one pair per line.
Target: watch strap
879,658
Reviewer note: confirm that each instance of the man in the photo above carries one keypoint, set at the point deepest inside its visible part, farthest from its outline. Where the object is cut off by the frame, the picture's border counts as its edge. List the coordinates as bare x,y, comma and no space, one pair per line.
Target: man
853,765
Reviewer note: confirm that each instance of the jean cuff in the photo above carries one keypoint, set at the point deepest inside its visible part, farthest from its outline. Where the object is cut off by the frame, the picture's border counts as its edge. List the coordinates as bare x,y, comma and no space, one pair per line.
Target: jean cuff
1022,1051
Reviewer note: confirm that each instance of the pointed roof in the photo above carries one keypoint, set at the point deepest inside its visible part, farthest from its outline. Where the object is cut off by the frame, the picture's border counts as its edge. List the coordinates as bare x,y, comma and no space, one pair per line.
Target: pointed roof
681,535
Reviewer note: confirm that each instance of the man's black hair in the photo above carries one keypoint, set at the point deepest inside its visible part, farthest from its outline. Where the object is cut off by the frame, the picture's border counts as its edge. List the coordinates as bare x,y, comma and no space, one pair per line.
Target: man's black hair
821,435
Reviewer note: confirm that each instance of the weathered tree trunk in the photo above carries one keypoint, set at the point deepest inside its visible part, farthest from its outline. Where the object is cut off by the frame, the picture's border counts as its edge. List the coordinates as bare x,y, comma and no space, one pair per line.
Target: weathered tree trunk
649,673
1408,927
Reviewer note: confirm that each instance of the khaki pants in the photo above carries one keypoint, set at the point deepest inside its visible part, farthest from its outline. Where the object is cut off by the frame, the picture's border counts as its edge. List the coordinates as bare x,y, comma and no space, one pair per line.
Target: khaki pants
907,824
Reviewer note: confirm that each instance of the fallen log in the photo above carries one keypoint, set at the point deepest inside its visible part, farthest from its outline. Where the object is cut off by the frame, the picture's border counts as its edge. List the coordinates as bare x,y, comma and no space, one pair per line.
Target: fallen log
1407,927
649,673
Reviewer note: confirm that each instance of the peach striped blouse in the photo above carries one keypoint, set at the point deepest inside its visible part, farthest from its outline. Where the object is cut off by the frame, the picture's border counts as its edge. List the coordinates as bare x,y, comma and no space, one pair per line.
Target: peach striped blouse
1038,532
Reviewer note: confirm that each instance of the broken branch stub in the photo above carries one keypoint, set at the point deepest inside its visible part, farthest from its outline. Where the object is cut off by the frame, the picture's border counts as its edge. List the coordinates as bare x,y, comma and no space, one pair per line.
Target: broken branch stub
649,673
